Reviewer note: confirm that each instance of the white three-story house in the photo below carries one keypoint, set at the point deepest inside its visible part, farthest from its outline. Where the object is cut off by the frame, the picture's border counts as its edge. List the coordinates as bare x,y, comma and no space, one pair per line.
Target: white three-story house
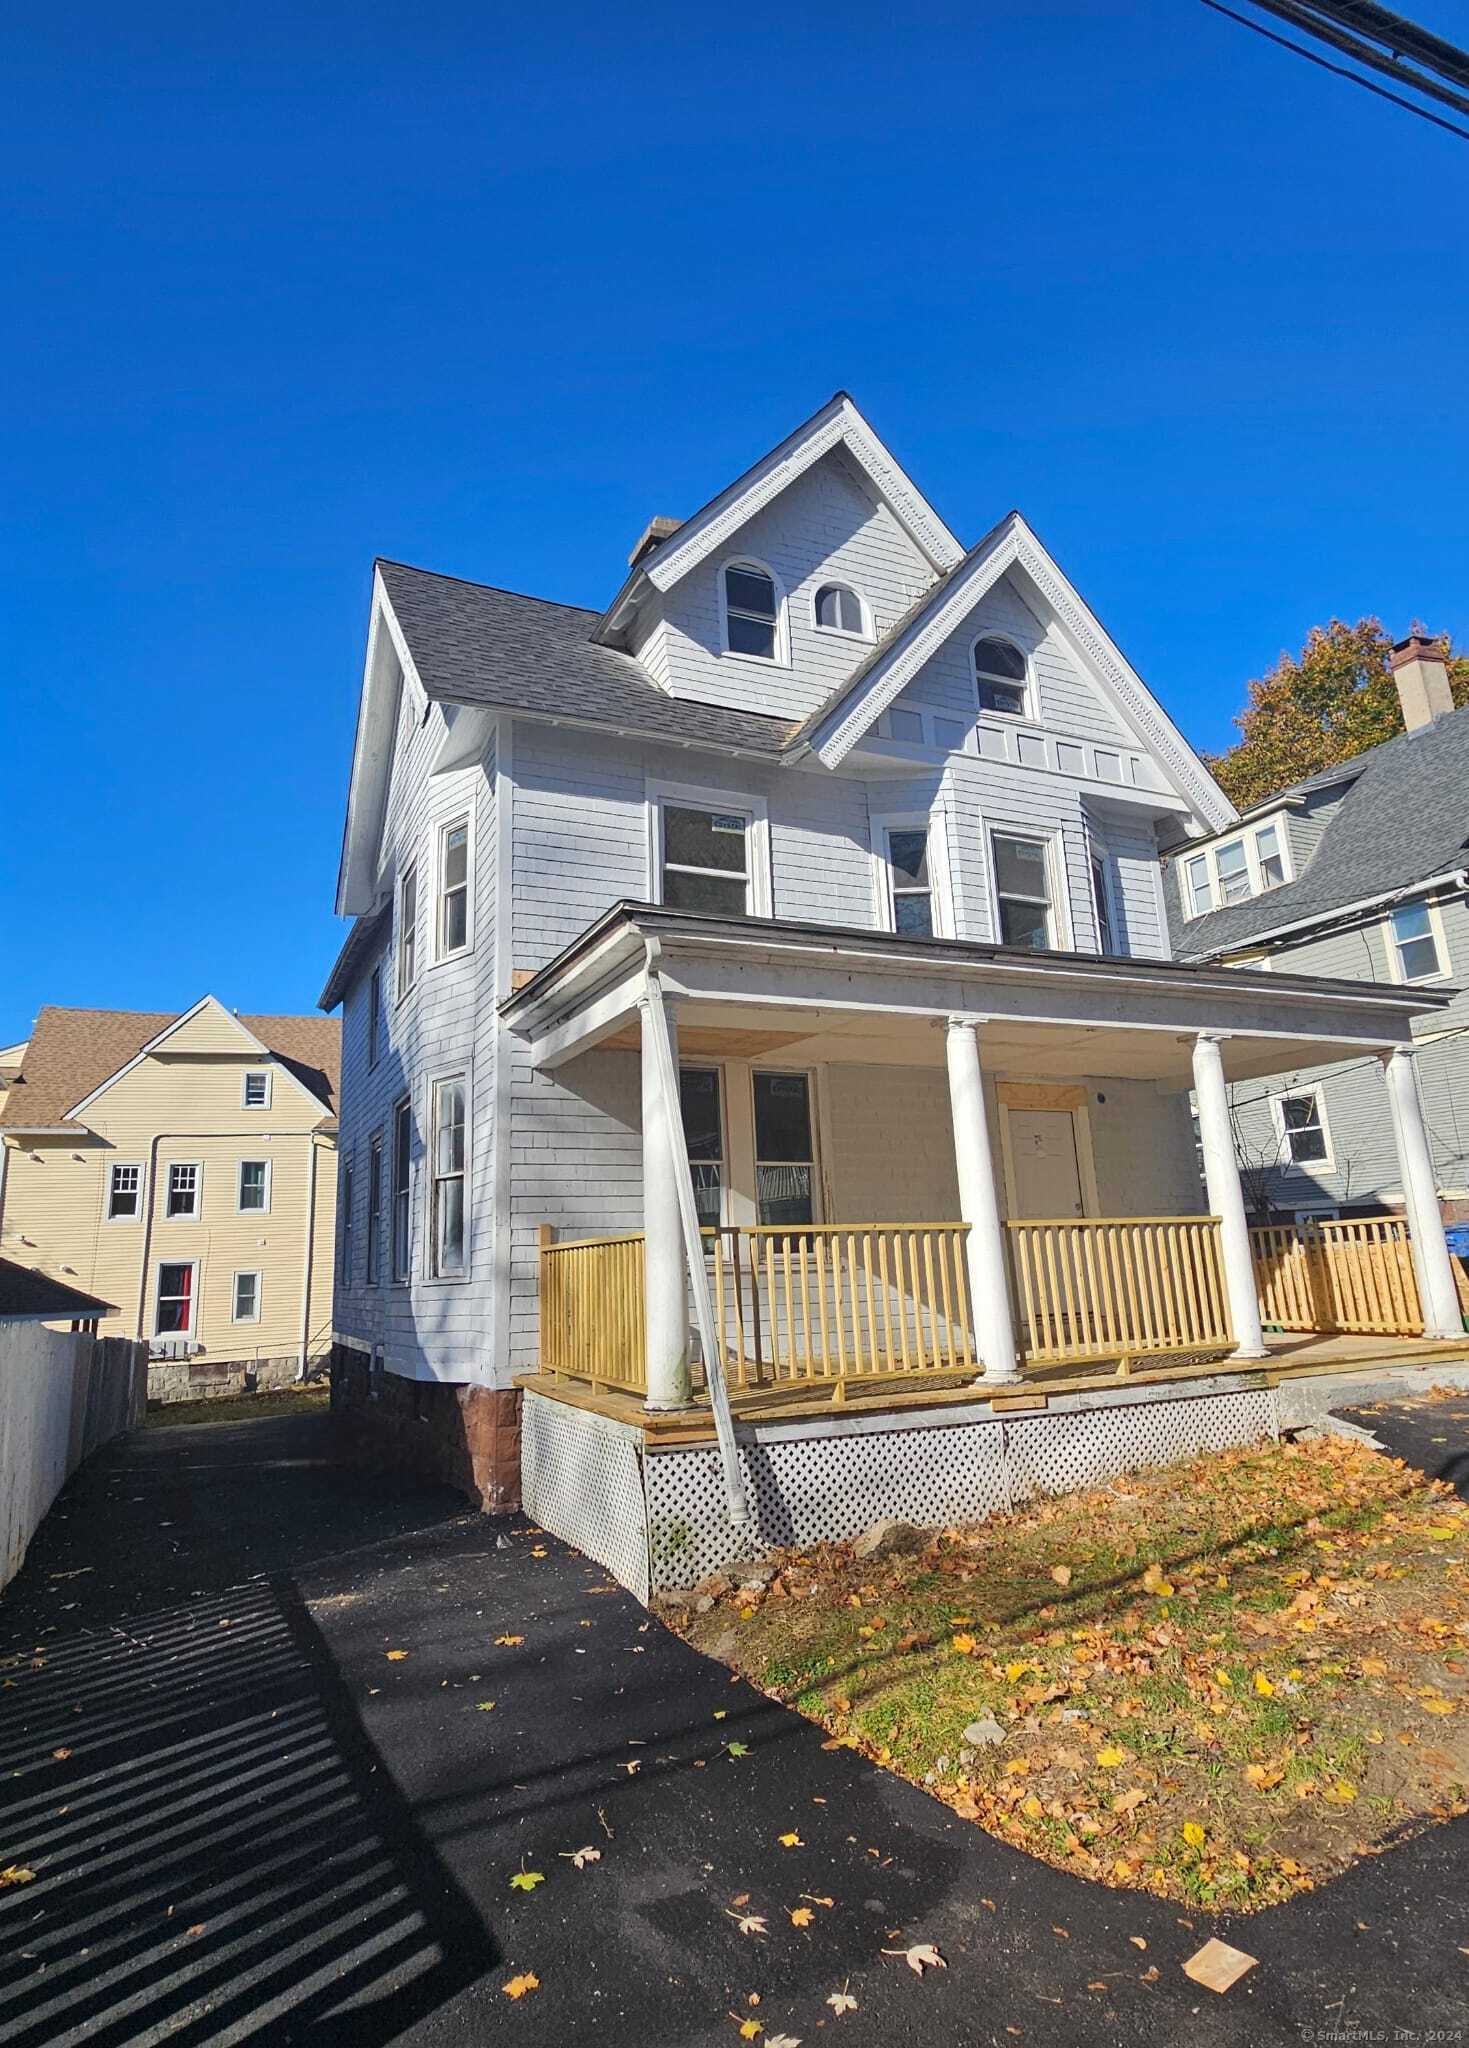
766,1088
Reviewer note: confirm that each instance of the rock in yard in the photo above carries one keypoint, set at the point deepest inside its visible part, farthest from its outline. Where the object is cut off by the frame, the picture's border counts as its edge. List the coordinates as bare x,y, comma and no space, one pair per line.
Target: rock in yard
754,1574
888,1539
678,1598
985,1733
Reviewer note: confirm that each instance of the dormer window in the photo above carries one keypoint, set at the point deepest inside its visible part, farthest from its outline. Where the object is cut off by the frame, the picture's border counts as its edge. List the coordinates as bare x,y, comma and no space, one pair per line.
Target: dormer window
1272,861
838,609
1233,865
751,611
1000,677
1234,870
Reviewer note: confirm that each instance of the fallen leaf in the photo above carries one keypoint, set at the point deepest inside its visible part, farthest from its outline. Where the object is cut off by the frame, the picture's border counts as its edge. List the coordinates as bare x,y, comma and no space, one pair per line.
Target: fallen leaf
508,1642
748,2028
484,1706
1137,1941
396,1656
962,1646
841,2001
737,1749
518,1986
61,1755
791,1841
539,1550
782,2041
920,1957
1193,1834
16,1873
1061,1573
582,1857
1130,1800
801,1916
527,1880
817,1899
748,1923
1263,1686
1110,1758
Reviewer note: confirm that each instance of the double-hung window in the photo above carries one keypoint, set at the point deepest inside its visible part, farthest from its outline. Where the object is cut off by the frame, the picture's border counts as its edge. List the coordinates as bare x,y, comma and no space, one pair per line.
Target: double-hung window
408,929
1023,891
909,882
173,1314
1233,865
453,913
1303,1129
1000,677
1101,905
374,1015
785,1156
1270,857
1415,942
402,1165
345,1240
1200,886
255,1089
706,859
124,1193
374,1208
703,1129
751,611
254,1195
450,1157
183,1191
246,1304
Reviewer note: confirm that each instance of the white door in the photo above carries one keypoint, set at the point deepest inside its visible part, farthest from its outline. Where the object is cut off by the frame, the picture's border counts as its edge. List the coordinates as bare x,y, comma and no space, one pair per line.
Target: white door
1044,1162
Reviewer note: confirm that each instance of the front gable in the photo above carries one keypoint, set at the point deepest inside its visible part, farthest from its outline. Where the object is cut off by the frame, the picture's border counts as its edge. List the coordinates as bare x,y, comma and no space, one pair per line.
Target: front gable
219,1046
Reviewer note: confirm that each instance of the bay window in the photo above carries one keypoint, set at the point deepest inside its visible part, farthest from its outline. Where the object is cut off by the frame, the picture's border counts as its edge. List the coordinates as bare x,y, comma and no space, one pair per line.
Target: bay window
1023,891
453,913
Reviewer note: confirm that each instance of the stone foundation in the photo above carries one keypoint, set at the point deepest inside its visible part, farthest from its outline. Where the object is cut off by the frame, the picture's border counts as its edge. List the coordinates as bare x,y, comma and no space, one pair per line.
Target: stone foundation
203,1379
463,1436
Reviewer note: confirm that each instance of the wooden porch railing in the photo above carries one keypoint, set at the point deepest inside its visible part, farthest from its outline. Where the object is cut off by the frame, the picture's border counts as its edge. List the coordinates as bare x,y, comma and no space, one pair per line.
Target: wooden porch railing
1355,1276
1109,1287
592,1309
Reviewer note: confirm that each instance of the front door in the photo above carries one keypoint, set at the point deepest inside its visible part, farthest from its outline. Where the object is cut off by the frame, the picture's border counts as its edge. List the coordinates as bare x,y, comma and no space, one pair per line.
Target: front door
1045,1164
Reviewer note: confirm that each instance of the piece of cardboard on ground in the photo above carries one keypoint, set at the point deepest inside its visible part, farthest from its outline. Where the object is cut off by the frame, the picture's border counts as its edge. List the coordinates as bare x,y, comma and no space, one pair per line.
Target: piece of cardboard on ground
1216,1965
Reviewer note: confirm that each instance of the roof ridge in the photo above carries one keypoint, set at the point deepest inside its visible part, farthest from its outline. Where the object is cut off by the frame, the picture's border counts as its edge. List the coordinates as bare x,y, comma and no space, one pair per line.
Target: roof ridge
500,589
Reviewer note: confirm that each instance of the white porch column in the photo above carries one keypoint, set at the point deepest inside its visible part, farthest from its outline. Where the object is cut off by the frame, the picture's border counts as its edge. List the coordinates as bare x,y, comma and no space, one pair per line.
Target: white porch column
665,1299
1226,1198
989,1279
1441,1314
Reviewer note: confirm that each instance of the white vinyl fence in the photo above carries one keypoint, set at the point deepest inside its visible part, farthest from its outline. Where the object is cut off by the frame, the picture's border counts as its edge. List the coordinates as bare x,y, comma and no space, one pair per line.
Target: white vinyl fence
62,1395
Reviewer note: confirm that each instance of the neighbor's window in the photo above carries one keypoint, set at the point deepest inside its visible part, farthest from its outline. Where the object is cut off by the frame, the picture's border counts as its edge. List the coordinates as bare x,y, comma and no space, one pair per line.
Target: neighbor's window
1200,888
255,1093
246,1308
999,675
408,929
374,1014
453,919
183,1191
785,1158
703,1129
447,1220
908,878
838,609
706,860
374,1207
1270,857
751,611
255,1185
1023,887
402,1173
124,1192
1415,942
174,1314
344,1212
1101,904
1305,1134
1233,867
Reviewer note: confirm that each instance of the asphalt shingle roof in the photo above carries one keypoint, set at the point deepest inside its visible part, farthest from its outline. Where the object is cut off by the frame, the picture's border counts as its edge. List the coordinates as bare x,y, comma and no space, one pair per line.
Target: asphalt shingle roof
28,1293
474,644
1404,818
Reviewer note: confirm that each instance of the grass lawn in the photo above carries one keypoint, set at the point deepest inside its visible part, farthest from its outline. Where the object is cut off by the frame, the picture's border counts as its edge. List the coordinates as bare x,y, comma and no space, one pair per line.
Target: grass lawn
307,1400
1222,1682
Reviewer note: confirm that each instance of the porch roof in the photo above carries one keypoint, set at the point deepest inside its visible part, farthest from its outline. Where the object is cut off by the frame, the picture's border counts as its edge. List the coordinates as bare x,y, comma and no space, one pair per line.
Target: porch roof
750,986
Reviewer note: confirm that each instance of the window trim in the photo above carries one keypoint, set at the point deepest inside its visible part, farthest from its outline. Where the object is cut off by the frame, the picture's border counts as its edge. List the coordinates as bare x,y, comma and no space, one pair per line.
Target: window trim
864,632
256,1274
814,1097
375,1015
346,1176
442,954
692,797
375,1152
1288,1163
1392,945
403,1196
1248,839
172,1215
935,824
406,933
1104,902
241,1208
1027,711
191,1334
432,1177
781,658
250,1074
1062,936
114,1166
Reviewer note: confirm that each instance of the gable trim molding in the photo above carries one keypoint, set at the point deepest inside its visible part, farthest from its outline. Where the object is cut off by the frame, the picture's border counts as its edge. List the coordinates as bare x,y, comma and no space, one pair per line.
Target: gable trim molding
252,1044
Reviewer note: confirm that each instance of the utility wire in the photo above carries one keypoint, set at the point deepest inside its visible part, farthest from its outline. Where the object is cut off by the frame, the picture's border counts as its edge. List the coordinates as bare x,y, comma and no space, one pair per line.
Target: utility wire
1338,70
1399,36
1307,15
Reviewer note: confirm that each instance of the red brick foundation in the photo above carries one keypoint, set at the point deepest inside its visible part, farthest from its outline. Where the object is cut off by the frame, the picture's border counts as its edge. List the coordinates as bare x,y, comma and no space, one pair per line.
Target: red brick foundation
463,1436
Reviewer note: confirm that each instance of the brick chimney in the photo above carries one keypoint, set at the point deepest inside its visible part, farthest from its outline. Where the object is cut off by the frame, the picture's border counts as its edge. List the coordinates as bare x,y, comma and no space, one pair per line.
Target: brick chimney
1419,670
654,534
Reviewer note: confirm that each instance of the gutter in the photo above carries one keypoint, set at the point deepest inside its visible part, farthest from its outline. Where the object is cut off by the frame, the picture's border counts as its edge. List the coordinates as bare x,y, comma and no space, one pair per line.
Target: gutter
1457,878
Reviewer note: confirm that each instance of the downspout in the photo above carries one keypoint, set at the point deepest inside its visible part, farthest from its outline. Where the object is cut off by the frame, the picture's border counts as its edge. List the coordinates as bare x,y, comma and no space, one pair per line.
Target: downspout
710,1341
308,1261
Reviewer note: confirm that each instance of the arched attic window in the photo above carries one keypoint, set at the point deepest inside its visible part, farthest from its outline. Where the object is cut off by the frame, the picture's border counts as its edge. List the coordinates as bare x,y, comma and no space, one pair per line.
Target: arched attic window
752,602
1001,676
839,609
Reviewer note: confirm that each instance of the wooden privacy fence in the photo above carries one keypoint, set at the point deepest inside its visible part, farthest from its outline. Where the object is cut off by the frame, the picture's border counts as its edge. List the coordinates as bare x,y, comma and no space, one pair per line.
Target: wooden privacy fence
63,1393
1355,1276
592,1309
1110,1287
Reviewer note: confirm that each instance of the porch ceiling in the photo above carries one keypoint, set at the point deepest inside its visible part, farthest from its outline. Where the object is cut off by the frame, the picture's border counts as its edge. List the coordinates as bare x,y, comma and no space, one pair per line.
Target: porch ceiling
753,988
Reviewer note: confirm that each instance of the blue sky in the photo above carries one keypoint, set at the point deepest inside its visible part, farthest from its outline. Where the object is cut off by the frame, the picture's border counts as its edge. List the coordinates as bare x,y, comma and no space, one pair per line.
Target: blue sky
484,288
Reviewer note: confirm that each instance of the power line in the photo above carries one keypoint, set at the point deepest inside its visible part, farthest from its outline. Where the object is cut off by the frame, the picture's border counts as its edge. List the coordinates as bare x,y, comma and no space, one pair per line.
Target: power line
1338,70
1307,15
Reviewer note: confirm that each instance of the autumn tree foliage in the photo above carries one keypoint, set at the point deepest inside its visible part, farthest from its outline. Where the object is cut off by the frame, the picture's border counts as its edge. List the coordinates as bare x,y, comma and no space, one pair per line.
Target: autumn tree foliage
1334,699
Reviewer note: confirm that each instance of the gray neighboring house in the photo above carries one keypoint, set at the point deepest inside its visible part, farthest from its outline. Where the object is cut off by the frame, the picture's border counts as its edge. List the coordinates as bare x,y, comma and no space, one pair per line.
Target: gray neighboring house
1356,873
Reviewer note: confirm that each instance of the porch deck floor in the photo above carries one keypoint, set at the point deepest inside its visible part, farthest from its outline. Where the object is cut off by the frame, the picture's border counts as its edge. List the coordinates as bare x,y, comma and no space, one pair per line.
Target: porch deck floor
1291,1355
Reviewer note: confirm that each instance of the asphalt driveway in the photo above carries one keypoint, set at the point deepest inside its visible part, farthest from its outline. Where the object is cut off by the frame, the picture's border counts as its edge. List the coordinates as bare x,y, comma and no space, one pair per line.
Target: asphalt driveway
249,1821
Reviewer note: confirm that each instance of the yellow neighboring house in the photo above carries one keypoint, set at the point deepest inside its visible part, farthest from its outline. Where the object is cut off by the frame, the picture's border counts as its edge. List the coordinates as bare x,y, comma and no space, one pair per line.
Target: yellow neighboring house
183,1167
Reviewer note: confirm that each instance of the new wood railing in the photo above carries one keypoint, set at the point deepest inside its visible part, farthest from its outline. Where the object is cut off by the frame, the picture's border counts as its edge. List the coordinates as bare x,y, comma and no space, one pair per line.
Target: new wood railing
592,1309
1109,1287
1355,1276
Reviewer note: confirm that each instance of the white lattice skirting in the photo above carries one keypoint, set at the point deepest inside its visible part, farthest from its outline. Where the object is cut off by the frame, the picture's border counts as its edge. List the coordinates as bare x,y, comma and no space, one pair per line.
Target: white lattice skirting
657,1519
